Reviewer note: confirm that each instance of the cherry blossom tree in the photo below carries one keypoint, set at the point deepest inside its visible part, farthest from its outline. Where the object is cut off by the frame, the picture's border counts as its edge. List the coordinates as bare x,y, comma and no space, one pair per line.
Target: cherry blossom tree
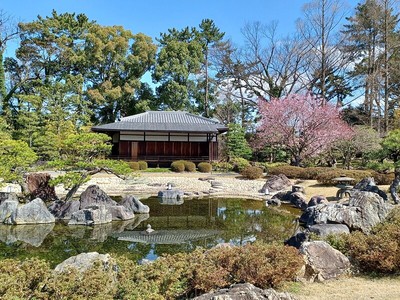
304,125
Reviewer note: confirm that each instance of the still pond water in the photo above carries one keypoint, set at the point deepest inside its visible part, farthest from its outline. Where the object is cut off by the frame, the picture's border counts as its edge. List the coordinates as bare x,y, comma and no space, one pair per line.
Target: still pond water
179,227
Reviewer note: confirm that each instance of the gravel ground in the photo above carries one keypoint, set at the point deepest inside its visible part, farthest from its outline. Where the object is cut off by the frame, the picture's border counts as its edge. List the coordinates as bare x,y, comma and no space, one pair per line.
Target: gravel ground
196,184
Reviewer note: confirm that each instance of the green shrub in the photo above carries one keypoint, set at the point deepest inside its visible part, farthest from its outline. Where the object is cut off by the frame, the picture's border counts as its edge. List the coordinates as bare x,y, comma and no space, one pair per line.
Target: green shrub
178,166
189,166
142,165
204,167
134,165
251,172
22,280
239,163
380,167
288,171
326,177
222,166
313,172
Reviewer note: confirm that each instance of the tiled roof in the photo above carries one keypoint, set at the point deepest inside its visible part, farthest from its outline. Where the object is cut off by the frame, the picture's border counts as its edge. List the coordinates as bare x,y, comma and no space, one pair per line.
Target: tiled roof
172,121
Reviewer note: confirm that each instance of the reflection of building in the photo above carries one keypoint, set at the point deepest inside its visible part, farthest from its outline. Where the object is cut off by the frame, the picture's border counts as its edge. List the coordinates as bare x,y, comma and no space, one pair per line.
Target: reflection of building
164,136
165,236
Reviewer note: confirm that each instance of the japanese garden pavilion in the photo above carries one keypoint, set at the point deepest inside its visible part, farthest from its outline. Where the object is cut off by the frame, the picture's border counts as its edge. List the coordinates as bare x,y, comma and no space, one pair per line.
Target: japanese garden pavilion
164,136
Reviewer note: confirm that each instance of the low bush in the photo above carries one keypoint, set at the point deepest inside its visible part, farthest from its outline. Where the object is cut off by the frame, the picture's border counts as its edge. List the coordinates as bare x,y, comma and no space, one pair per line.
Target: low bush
377,252
204,167
251,172
289,171
326,177
178,276
239,164
264,265
178,166
383,178
222,166
134,165
189,166
142,165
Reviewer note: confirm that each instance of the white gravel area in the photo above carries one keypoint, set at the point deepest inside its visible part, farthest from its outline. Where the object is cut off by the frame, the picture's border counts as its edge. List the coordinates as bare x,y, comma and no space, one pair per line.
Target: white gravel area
148,184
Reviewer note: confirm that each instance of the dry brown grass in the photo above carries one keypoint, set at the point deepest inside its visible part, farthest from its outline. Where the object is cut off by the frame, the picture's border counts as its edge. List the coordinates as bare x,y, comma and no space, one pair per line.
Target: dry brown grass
353,288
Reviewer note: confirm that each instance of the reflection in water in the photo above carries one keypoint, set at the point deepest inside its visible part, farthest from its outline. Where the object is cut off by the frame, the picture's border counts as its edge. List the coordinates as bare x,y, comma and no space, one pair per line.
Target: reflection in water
180,228
30,234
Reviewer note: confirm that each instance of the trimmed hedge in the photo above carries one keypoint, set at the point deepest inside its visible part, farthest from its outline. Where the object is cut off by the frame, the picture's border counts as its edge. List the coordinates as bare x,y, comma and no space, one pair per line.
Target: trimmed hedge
142,165
189,166
325,175
204,167
239,163
134,165
178,166
251,172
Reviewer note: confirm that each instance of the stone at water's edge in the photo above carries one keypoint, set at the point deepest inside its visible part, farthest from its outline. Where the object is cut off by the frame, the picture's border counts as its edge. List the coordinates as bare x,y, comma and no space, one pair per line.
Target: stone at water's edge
323,262
119,212
64,210
171,194
245,291
131,203
91,215
93,195
276,183
365,210
317,199
34,212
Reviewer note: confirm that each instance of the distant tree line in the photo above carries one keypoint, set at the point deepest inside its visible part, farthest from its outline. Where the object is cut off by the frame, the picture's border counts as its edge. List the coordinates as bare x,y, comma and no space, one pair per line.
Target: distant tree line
70,72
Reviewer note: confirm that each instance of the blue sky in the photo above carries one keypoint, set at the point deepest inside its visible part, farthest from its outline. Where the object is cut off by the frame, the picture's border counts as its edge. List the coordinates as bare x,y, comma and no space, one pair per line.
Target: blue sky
154,16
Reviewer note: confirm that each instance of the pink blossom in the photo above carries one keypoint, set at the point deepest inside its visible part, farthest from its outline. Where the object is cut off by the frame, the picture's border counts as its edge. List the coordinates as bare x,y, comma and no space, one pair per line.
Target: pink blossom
303,125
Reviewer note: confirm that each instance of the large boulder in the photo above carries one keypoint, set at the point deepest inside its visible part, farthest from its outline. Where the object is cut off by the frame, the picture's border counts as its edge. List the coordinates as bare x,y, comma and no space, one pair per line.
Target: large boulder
245,291
85,261
299,200
135,205
298,239
119,212
39,187
276,183
94,200
34,212
91,215
93,195
368,185
317,199
327,229
63,210
323,262
365,210
171,194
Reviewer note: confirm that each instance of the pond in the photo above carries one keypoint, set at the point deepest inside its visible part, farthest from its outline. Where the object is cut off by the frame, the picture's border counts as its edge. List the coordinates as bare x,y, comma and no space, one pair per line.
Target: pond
178,227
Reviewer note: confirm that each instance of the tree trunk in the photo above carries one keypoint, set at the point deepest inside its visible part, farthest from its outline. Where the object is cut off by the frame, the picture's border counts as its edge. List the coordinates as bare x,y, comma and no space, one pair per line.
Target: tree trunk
72,192
395,185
